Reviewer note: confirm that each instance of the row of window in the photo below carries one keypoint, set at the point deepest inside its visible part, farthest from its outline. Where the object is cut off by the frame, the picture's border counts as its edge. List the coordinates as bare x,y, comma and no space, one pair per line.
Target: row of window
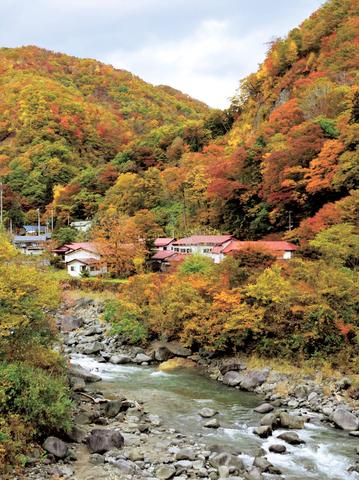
189,250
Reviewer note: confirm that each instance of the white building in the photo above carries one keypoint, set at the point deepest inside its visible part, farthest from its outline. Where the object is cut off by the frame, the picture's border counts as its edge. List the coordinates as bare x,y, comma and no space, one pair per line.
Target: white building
82,225
202,244
83,257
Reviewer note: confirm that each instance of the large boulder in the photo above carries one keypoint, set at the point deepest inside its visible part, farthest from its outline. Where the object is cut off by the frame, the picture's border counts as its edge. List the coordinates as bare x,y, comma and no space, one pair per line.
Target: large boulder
277,448
56,447
70,323
142,358
92,348
112,408
231,365
270,420
291,437
232,378
291,421
254,379
263,431
345,420
103,440
77,371
120,359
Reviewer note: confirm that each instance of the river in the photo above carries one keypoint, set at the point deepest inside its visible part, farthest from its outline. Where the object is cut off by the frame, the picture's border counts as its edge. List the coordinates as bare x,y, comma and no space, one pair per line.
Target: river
178,395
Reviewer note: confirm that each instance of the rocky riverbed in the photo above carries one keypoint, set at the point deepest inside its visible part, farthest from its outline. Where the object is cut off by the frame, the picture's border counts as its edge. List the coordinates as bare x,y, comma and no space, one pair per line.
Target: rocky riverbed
119,437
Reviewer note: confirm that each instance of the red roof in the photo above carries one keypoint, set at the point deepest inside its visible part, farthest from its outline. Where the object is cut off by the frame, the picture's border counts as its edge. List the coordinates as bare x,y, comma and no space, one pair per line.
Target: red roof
163,242
204,240
61,249
89,246
163,254
266,244
177,257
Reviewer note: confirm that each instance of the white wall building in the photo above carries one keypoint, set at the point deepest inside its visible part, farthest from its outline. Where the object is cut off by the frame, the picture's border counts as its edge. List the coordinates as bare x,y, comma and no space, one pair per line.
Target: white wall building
82,257
202,245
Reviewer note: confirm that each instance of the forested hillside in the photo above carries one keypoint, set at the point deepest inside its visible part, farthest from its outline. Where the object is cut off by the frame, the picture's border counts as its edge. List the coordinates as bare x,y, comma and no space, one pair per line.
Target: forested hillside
68,125
77,134
291,153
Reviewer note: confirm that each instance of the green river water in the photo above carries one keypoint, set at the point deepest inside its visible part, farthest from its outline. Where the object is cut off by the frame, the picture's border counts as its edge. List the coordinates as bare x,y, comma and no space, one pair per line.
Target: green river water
178,395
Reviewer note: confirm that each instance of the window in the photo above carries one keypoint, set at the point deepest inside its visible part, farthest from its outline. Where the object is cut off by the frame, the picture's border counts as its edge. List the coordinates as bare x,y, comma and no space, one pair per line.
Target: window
188,250
206,250
177,249
72,268
164,248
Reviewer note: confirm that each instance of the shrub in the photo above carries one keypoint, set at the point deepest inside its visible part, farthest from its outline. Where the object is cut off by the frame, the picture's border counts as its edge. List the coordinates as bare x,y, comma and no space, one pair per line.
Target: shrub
125,321
42,400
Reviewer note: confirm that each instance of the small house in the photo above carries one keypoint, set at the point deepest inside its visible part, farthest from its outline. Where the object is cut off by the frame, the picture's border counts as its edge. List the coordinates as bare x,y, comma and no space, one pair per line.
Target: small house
31,244
164,243
83,257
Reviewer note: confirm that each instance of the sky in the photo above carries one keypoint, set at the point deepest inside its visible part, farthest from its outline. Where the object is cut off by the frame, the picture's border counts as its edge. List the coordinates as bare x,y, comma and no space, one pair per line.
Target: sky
202,47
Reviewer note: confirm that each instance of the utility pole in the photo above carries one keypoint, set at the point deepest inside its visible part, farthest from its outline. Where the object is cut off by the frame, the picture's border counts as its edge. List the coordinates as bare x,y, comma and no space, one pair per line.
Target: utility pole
1,202
290,224
38,222
10,227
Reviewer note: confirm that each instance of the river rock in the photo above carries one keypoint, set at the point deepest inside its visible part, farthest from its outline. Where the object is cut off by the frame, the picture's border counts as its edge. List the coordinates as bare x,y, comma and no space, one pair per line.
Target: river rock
254,379
254,473
264,431
232,364
264,408
120,359
77,384
161,352
76,434
70,323
232,378
225,458
291,437
207,412
185,454
212,423
77,371
56,447
277,448
112,408
262,463
178,350
291,421
142,358
165,472
345,420
270,419
103,440
92,348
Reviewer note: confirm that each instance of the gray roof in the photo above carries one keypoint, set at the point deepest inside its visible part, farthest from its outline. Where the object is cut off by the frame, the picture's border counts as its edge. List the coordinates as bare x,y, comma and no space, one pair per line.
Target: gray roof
31,238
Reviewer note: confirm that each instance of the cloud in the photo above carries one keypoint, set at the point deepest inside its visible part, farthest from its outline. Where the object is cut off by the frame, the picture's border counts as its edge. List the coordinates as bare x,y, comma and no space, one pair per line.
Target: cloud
202,47
206,64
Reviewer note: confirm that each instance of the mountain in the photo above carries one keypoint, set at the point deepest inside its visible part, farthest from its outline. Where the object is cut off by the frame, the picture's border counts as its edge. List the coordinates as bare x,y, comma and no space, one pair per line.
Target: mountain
65,121
77,135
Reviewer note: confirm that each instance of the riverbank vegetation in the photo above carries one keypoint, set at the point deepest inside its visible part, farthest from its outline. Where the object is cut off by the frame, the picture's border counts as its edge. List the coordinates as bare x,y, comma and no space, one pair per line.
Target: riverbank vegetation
34,397
306,308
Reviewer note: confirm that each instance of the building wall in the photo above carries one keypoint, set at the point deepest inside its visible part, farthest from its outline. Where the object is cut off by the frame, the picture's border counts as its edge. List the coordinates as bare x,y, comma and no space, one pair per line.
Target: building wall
76,268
